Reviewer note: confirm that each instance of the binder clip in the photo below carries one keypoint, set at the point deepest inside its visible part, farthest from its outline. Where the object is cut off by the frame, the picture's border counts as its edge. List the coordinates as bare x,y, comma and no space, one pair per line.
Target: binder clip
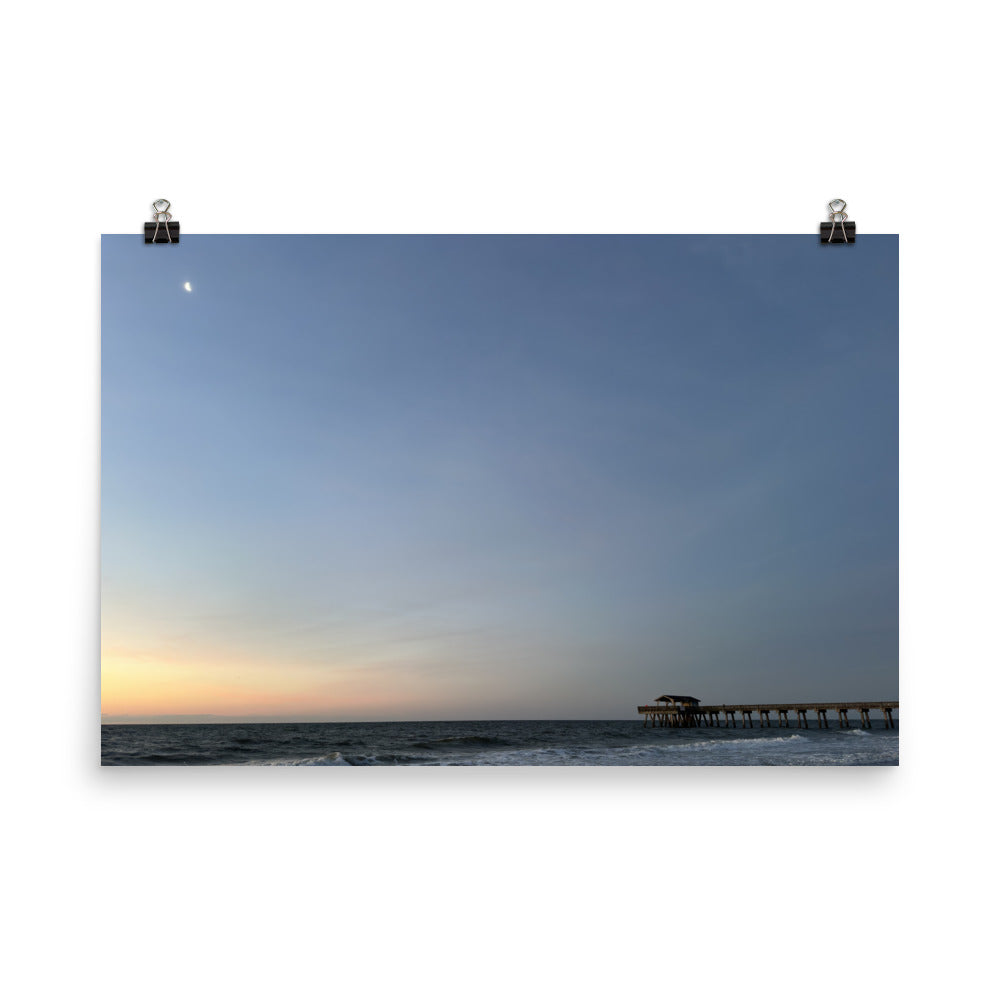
161,229
838,229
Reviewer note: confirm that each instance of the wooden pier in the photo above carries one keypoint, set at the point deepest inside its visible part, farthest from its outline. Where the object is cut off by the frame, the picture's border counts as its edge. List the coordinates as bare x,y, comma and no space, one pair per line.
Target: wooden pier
683,712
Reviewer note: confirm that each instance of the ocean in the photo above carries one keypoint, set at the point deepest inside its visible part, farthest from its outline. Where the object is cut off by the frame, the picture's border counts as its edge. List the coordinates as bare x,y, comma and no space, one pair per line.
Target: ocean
496,744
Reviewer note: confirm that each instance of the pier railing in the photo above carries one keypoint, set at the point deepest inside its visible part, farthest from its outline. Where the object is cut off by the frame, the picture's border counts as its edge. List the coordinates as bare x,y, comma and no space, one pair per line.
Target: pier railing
686,717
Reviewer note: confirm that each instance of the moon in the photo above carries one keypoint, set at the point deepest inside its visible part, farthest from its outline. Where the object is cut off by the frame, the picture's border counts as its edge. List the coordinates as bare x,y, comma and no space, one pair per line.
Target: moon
187,286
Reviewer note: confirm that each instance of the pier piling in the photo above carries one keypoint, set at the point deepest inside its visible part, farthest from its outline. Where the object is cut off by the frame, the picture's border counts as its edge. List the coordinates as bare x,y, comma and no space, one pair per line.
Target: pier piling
683,712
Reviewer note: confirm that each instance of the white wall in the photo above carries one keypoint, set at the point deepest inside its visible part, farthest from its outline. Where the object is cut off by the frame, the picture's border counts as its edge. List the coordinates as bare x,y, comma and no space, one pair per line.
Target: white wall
515,117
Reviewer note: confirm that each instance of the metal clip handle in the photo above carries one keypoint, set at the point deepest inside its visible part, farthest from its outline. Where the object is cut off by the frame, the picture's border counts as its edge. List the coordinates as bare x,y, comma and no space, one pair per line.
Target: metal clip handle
837,214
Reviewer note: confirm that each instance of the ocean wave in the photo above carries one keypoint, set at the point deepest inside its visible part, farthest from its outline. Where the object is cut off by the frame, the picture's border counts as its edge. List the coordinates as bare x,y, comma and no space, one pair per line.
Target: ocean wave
337,759
170,757
462,741
334,759
716,751
741,741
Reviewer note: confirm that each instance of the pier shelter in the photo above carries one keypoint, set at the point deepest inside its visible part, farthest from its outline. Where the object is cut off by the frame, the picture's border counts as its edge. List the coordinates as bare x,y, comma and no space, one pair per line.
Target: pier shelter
679,710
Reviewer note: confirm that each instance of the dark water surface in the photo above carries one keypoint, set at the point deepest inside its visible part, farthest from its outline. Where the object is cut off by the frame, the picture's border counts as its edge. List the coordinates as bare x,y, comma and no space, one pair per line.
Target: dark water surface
490,744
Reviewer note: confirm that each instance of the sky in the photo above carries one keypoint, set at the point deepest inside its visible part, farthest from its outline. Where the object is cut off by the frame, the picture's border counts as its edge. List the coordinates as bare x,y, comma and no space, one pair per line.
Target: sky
360,478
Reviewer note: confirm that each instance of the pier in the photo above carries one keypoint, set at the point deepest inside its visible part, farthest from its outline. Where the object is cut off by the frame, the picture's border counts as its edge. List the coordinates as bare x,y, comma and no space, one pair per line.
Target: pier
683,712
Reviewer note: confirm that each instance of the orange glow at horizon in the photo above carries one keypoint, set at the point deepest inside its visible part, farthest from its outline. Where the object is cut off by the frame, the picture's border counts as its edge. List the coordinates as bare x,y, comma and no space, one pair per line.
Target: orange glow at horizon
175,680
140,683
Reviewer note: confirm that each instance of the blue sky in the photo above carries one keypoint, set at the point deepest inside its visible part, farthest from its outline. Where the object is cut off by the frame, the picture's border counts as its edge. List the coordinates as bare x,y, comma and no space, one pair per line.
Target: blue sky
385,477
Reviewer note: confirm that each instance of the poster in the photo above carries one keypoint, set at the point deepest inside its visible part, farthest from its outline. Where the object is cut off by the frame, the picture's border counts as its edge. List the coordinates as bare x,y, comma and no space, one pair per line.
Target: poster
499,500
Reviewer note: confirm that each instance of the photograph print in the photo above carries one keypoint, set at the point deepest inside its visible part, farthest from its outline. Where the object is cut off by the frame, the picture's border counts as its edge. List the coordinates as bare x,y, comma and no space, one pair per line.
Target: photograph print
499,501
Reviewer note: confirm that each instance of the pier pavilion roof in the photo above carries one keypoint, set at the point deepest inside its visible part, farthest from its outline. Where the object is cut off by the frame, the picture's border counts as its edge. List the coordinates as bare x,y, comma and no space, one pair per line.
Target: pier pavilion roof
680,698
